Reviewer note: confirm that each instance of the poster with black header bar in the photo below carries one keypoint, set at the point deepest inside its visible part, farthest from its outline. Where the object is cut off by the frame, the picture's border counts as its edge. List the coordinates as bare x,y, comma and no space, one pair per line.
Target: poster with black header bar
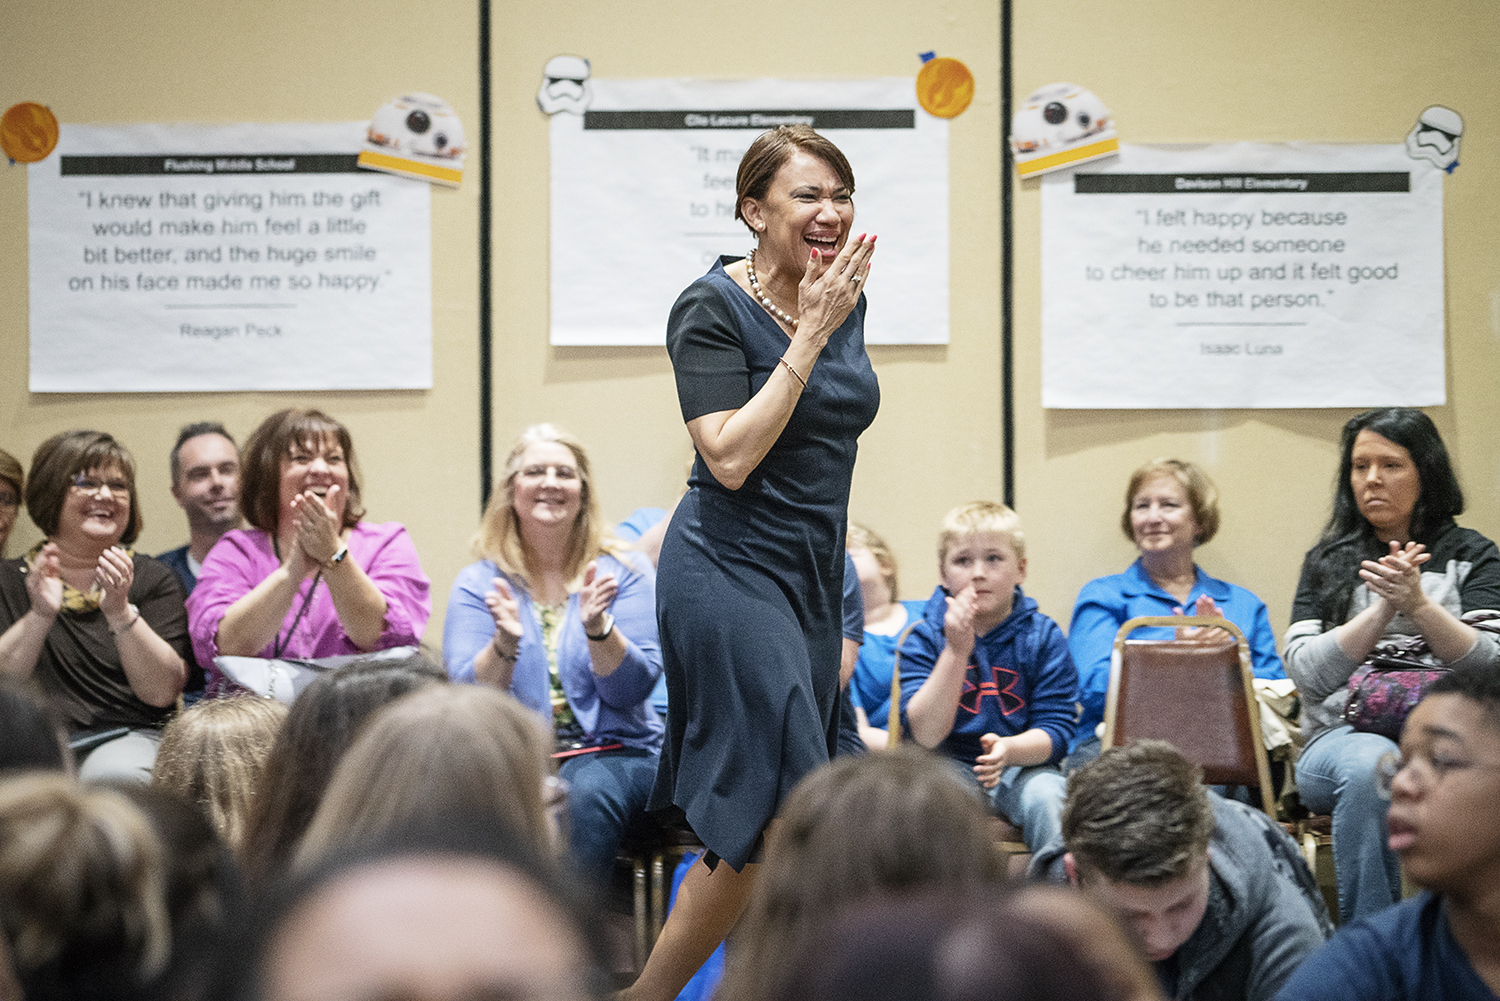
180,258
1245,275
643,198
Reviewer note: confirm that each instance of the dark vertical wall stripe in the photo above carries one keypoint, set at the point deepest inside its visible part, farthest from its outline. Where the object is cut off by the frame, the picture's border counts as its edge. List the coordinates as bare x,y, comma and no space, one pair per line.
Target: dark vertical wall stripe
486,469
1007,260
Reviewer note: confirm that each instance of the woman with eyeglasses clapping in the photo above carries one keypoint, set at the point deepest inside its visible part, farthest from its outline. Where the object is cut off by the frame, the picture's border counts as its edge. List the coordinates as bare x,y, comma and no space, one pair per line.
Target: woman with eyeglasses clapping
101,629
565,620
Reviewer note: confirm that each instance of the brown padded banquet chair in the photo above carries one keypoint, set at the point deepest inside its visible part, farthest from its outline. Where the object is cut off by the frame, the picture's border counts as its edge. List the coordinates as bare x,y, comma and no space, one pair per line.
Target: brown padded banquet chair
1197,696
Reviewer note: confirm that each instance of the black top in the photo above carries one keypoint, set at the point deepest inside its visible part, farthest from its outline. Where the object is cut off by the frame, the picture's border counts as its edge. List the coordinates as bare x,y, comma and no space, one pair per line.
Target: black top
79,666
750,584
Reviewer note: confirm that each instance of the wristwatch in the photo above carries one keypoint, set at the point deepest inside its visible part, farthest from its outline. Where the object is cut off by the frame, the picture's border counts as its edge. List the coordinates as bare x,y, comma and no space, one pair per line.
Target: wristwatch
609,627
337,557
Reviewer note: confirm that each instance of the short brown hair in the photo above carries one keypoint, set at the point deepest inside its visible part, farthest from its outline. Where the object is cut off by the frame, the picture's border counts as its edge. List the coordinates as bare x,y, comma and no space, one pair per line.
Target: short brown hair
771,150
213,754
1138,814
270,444
1203,496
980,516
58,462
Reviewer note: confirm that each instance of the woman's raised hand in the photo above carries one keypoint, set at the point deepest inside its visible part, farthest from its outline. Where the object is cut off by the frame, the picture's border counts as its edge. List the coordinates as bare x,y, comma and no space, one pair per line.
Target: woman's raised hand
506,611
1397,576
318,527
44,582
597,596
828,291
958,622
115,574
1204,606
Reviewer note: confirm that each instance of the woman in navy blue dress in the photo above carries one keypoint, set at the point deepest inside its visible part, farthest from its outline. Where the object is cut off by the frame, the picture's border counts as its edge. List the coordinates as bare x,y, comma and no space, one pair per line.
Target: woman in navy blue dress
775,388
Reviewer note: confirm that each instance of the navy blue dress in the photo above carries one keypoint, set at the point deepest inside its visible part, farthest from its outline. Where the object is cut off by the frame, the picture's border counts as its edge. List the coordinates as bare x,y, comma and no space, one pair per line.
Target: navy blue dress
750,584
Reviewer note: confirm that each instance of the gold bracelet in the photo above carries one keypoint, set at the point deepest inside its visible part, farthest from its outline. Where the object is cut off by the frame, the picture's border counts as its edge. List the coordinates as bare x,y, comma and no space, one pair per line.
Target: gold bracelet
793,371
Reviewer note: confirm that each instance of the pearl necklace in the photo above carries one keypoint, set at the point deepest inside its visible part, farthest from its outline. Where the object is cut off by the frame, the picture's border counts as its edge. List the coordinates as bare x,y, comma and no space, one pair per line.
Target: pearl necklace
765,300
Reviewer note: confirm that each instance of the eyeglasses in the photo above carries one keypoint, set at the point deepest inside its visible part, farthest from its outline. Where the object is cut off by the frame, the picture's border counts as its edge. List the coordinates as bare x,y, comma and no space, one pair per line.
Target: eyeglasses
540,472
93,486
1434,768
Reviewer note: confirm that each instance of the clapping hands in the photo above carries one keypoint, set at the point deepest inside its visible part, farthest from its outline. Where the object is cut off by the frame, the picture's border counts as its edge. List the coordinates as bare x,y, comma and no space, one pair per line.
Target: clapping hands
44,582
505,609
1207,607
319,528
1397,576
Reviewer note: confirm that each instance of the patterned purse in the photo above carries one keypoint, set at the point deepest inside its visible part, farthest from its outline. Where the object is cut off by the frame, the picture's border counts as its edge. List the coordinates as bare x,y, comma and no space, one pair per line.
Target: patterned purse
1385,688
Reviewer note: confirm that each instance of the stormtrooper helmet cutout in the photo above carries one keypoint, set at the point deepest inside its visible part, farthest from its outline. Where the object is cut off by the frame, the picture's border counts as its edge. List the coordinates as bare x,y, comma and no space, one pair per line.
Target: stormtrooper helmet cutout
1435,137
1061,125
565,86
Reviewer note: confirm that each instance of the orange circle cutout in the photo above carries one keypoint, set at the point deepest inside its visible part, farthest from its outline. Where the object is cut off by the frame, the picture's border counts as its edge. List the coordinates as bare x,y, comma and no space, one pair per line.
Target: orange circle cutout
945,87
28,132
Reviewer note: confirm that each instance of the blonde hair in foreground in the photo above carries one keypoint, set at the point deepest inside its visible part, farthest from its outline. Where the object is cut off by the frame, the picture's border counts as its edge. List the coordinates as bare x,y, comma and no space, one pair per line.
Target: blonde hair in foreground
214,754
446,748
80,864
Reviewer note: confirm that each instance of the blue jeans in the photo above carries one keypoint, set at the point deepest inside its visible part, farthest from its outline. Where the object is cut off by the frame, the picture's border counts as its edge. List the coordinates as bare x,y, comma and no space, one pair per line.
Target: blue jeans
1336,773
1032,798
607,792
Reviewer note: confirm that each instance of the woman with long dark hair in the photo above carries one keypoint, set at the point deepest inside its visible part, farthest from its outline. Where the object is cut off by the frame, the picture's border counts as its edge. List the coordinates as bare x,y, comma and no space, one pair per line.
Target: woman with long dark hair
1390,563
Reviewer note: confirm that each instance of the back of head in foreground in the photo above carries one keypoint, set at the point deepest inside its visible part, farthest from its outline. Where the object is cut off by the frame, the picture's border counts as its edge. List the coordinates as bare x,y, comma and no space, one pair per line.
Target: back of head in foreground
83,890
447,908
1137,814
31,735
973,944
321,725
213,754
891,822
443,749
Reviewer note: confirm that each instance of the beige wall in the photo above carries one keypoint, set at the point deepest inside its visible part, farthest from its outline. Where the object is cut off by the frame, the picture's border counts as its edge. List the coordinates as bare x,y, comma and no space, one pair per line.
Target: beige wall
1172,71
1319,70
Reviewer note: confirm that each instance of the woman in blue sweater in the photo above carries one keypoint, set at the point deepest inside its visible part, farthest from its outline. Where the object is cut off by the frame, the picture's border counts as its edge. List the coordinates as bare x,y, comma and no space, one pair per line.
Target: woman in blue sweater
566,622
1171,508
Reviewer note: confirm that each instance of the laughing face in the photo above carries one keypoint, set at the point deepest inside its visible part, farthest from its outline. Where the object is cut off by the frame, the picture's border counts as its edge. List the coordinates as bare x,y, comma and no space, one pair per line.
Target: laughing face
97,508
806,208
548,489
314,466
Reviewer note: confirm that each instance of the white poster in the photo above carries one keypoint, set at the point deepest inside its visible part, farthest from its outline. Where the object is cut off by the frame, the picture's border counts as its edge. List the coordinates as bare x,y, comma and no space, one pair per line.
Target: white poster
643,198
1244,275
179,258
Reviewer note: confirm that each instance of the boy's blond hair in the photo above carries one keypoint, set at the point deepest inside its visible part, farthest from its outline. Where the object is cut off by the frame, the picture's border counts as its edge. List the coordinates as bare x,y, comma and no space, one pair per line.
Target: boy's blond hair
980,516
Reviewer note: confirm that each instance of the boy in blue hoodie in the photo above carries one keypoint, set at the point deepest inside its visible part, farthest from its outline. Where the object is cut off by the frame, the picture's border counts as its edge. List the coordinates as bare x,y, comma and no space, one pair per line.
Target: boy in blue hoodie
986,678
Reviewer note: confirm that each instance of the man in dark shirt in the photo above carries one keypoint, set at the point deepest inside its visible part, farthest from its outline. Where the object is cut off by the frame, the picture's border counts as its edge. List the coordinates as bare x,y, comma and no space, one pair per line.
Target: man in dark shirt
206,484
